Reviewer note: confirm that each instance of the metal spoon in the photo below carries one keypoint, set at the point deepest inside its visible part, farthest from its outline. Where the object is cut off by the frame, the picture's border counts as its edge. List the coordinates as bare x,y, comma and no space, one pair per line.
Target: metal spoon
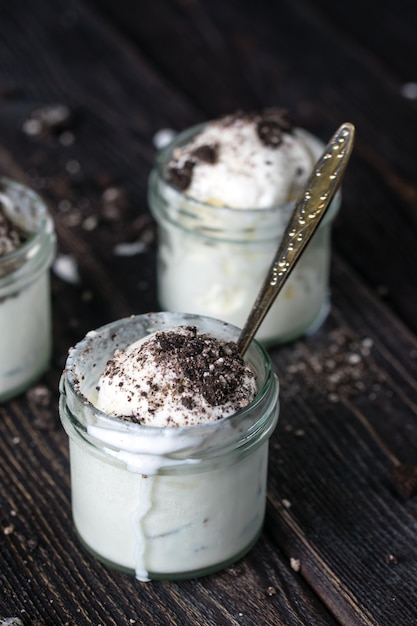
308,213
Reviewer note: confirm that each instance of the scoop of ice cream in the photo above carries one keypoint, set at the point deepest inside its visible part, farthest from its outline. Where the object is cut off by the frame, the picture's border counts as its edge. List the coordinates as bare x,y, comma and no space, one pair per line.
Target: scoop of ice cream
176,378
245,160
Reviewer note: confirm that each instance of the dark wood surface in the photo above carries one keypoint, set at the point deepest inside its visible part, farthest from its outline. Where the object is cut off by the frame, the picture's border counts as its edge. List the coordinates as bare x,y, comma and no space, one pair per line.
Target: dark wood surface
340,539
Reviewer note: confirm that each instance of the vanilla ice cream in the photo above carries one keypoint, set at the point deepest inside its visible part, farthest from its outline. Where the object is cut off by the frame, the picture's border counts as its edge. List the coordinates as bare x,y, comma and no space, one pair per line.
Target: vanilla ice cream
176,378
222,195
26,248
243,161
169,431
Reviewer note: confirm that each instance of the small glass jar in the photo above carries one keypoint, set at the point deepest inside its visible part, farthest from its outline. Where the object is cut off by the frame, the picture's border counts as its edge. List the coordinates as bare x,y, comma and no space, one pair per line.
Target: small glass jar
25,315
213,259
165,503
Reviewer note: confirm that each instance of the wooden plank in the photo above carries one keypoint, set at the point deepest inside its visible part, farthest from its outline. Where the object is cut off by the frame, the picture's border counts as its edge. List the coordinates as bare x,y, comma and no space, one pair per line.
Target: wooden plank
345,426
339,434
389,45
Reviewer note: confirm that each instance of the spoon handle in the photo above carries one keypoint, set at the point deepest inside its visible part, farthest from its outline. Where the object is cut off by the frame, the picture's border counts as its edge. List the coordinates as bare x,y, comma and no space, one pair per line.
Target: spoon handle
308,213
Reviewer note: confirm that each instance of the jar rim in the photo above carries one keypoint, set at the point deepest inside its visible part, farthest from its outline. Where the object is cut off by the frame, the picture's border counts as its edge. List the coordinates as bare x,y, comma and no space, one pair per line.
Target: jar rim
245,428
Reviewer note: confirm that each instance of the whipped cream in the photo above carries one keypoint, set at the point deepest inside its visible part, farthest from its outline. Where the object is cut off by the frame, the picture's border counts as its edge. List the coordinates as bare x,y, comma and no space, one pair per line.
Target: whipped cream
176,378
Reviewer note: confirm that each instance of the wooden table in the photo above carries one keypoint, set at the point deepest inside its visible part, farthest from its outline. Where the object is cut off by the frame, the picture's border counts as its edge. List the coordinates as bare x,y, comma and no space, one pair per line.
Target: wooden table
340,539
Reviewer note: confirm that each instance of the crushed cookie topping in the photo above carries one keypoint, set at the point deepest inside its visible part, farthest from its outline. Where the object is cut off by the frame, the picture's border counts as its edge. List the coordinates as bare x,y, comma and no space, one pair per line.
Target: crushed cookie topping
214,369
190,367
206,153
180,175
11,237
271,126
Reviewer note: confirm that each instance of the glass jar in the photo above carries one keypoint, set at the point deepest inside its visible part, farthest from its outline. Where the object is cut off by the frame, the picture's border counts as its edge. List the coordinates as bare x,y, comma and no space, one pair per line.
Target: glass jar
25,315
213,259
165,503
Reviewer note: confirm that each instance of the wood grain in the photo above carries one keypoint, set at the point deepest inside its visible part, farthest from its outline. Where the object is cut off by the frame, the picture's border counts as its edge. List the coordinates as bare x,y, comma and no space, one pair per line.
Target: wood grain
340,540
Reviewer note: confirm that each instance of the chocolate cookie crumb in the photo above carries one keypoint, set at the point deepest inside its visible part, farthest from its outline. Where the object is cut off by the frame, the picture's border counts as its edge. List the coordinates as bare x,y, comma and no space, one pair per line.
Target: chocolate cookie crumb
295,564
207,154
180,176
271,126
49,119
391,559
269,133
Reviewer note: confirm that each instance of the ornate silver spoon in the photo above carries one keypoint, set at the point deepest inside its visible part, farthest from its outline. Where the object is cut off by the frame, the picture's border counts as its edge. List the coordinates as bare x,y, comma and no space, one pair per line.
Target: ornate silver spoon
308,213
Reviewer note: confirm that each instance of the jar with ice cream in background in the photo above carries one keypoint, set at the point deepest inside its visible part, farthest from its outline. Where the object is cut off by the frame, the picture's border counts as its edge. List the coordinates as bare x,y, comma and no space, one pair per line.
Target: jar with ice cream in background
222,194
168,432
27,247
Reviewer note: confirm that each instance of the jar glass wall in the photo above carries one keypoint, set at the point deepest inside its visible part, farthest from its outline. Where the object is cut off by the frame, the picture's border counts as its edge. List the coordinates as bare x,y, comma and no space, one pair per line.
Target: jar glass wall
212,260
25,312
165,502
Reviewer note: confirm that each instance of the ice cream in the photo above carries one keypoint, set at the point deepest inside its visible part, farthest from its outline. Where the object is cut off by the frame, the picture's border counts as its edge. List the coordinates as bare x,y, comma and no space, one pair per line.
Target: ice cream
168,431
243,161
176,378
26,249
222,194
